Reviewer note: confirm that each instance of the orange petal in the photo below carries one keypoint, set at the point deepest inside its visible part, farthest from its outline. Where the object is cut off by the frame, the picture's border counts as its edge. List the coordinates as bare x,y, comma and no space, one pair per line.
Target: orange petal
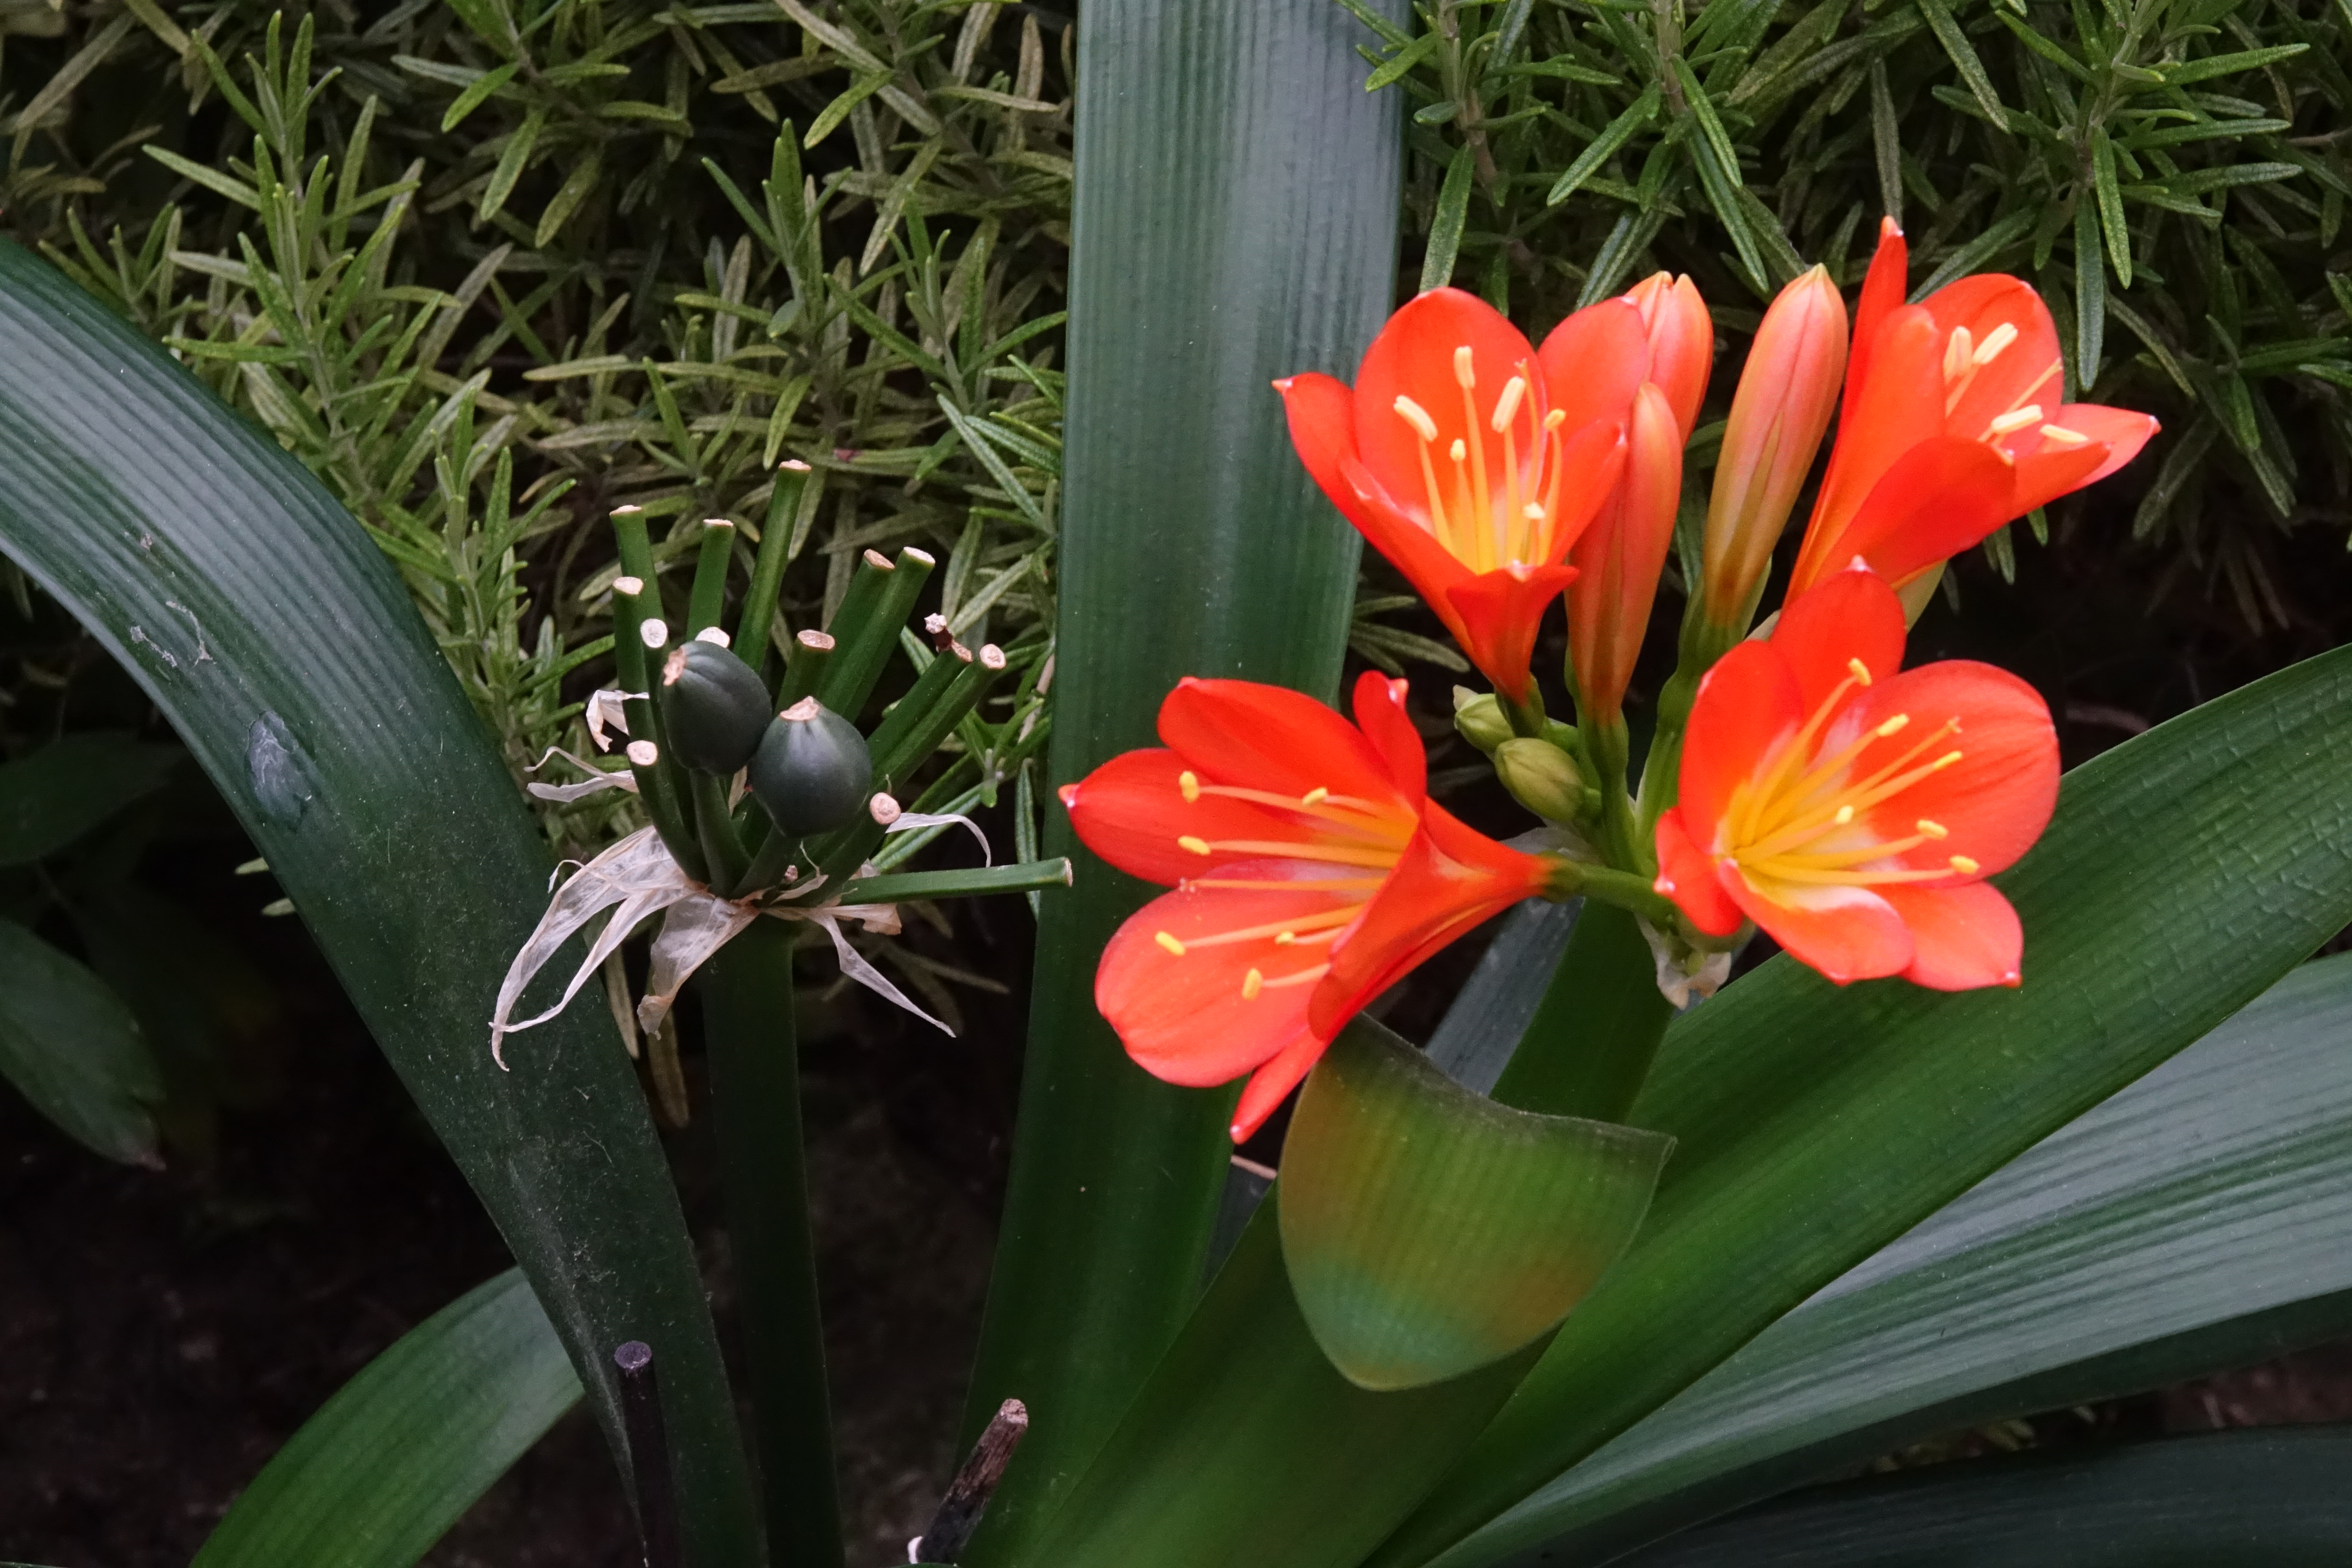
1618,559
1899,405
1938,499
1882,295
2027,371
1132,812
1272,1083
1400,534
1843,932
1321,411
1747,703
1681,342
1413,356
1381,715
1449,879
2047,470
1500,613
1687,876
2121,431
1961,937
1822,631
1995,801
1189,1018
1266,737
1594,362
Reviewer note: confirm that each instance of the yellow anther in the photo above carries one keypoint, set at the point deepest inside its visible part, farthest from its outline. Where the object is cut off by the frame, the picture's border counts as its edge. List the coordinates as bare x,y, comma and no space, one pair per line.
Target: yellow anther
1965,866
1459,450
1169,942
1859,671
1414,414
1197,846
1466,375
1946,760
1252,983
2059,436
1285,939
1932,828
1190,783
1315,796
1555,418
1893,726
2016,419
1507,407
1533,511
2000,338
1845,815
1960,352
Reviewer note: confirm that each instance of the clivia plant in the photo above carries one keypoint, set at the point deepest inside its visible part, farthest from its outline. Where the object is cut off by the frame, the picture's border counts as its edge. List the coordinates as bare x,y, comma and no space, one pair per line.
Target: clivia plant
1633,1244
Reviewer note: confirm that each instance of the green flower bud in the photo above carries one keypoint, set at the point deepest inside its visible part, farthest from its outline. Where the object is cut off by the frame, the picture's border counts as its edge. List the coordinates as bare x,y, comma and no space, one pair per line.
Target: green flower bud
1541,778
1480,718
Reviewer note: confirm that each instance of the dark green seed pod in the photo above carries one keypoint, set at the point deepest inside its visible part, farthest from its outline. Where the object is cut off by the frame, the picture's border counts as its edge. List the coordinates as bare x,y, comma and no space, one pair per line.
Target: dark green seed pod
813,770
715,707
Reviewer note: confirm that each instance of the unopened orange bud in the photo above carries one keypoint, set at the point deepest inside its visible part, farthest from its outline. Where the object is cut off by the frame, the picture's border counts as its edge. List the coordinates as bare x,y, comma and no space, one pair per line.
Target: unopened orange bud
1681,342
1779,415
1620,556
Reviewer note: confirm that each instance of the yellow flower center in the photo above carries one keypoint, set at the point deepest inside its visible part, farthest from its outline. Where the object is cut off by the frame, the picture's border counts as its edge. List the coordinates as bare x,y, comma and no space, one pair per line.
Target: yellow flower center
1481,526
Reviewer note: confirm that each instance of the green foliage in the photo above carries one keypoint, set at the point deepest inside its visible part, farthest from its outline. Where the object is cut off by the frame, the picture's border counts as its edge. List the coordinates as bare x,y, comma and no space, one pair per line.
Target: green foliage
490,268
2172,174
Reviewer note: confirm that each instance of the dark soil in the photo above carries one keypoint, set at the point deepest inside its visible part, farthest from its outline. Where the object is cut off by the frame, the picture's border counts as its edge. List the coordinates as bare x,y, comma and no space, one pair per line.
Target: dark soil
163,1332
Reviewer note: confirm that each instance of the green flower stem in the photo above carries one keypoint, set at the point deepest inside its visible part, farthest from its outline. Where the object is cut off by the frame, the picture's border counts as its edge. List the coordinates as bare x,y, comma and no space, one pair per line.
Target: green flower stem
1611,748
755,1094
1527,716
957,884
899,750
714,825
908,713
804,668
1702,642
1594,1035
865,644
776,853
709,600
655,782
767,570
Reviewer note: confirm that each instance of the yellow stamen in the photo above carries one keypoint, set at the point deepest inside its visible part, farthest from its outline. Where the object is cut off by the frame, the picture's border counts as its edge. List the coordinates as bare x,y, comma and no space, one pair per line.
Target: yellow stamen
1414,414
1169,942
1315,796
1459,450
2059,436
1190,783
1932,829
1252,983
1466,374
1965,866
1285,939
1507,407
1997,339
2015,420
1893,726
1197,846
1958,352
1861,671
1844,815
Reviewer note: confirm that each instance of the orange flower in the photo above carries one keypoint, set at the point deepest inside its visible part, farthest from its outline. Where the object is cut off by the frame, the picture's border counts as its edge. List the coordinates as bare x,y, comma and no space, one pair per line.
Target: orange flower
1311,872
1853,812
1471,462
1619,557
1952,425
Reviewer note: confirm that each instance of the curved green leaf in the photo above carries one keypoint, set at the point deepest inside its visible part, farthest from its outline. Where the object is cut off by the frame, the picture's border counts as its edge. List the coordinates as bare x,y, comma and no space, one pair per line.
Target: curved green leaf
1429,1231
1235,220
282,646
2196,1220
2186,871
2276,1499
388,1464
72,1047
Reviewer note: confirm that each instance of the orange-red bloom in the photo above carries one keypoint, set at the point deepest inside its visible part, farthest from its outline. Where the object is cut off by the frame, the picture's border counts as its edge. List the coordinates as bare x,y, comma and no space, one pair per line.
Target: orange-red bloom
1619,557
1854,812
1952,425
1471,462
1311,872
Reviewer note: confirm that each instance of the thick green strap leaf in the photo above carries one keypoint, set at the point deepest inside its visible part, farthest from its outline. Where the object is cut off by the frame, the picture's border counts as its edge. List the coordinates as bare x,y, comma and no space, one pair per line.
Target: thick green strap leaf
387,1465
279,643
2275,1498
1235,220
2186,871
2201,1218
1429,1231
72,1047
